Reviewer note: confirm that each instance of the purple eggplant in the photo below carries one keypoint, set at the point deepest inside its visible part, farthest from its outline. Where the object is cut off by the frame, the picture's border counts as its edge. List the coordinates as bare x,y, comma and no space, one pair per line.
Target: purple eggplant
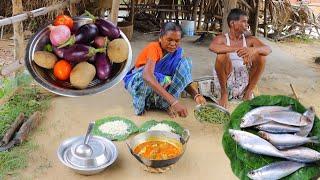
84,35
59,51
80,52
100,42
103,66
106,28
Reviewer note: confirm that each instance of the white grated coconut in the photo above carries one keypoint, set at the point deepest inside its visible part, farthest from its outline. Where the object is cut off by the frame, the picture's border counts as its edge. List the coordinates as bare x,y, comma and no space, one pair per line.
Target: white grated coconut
114,128
161,127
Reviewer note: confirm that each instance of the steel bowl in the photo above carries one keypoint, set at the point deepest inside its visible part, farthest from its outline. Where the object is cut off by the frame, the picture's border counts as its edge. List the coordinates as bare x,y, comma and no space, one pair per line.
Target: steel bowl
46,79
178,141
87,166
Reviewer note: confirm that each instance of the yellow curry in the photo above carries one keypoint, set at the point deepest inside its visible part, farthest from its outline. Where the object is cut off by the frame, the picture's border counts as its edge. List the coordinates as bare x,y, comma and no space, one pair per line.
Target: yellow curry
157,150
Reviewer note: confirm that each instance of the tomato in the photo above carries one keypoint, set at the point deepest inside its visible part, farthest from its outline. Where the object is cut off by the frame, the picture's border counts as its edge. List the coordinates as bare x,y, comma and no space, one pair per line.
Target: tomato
63,20
62,69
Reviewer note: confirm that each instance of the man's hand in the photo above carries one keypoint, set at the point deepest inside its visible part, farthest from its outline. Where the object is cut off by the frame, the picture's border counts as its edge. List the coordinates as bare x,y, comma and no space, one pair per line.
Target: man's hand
200,100
247,54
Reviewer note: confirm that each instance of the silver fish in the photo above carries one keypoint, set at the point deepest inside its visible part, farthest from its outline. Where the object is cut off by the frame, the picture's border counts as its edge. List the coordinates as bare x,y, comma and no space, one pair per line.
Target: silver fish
254,143
275,170
301,154
284,141
250,120
286,117
310,114
274,127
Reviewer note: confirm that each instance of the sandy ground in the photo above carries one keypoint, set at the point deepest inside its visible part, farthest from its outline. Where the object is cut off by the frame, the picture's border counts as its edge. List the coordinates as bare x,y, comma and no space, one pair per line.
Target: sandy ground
204,157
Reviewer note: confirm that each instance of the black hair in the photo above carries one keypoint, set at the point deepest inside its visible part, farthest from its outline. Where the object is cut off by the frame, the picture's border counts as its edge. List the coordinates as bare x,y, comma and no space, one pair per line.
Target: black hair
170,26
235,15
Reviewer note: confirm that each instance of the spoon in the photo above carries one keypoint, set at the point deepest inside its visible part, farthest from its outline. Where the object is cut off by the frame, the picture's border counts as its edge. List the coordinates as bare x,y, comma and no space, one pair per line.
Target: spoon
84,150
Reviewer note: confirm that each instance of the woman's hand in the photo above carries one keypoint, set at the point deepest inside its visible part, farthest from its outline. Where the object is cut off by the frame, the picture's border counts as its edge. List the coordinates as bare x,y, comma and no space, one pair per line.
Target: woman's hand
179,109
200,100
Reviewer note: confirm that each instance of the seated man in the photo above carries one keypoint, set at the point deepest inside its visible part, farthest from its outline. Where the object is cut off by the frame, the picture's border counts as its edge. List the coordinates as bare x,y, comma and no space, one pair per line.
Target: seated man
160,75
240,60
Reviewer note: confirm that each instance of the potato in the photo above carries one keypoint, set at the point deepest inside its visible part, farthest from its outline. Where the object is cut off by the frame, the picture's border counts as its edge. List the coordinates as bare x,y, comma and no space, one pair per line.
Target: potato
118,50
82,74
45,59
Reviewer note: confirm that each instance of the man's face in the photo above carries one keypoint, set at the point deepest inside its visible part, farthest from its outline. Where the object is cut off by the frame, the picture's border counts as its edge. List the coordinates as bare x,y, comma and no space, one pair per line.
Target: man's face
241,25
170,41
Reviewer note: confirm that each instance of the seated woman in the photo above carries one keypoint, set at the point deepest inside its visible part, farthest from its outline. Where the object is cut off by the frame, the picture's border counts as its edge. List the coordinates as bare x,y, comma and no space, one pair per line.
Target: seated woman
160,75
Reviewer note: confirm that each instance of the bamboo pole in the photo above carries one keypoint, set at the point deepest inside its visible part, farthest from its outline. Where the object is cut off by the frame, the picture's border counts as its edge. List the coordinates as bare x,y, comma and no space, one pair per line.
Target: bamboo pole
256,21
35,13
132,12
200,14
227,6
18,36
114,11
266,2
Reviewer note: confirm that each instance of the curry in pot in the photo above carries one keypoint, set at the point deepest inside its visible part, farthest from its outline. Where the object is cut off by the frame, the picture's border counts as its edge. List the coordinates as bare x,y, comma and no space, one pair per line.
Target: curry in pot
157,150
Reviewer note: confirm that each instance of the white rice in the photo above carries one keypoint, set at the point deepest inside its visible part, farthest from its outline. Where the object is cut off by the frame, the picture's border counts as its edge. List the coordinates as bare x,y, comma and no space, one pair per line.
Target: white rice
114,128
161,127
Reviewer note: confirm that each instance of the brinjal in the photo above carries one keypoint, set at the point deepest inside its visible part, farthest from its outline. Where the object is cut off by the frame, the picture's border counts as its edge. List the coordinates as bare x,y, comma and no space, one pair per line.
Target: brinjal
58,51
106,28
84,35
80,52
103,66
100,42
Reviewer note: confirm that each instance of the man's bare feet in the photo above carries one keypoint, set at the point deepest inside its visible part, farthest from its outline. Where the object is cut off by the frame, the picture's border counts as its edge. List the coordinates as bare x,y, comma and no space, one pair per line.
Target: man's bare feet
223,101
248,95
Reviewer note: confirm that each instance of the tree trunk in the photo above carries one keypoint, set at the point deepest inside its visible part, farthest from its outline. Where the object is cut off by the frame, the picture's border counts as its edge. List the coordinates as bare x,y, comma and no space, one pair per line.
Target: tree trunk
256,20
18,37
227,6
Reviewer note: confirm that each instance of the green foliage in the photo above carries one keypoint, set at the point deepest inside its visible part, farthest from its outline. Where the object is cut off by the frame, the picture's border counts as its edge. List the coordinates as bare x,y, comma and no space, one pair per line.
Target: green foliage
8,85
132,128
243,161
17,158
27,101
148,124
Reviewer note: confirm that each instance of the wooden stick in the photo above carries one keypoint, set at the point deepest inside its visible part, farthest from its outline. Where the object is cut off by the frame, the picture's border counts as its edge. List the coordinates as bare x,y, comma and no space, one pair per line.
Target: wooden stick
265,18
32,122
18,37
14,127
294,92
36,12
114,11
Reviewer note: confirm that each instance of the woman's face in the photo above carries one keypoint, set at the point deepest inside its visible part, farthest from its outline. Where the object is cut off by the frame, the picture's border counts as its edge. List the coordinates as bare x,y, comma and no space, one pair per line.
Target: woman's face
170,41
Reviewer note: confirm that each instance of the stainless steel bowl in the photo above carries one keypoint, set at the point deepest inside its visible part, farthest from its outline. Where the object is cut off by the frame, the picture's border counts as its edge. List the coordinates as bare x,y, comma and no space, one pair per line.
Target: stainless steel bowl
46,79
159,135
88,166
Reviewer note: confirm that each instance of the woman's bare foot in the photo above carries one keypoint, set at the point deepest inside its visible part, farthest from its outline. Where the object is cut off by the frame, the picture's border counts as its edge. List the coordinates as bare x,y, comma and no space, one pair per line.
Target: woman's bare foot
223,101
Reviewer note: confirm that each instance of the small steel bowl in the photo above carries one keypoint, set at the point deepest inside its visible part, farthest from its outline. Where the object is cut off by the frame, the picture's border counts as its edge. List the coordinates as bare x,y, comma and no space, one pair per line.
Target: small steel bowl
87,166
46,79
179,141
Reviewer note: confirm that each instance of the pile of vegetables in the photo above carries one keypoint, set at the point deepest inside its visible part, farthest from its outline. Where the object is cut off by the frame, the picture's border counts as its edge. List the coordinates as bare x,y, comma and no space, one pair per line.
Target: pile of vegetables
211,114
81,54
243,161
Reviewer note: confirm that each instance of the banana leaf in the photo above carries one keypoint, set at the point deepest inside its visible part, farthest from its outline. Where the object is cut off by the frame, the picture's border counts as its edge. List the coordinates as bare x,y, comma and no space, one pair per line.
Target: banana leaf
243,161
132,128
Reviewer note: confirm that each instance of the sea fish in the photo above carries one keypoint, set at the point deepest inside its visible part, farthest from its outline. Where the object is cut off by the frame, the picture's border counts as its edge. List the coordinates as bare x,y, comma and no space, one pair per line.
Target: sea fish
274,127
310,114
284,141
301,154
275,170
254,143
285,117
250,120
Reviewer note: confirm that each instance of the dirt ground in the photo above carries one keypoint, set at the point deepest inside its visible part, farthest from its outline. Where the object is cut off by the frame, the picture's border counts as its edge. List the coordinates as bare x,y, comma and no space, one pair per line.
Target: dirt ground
204,157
